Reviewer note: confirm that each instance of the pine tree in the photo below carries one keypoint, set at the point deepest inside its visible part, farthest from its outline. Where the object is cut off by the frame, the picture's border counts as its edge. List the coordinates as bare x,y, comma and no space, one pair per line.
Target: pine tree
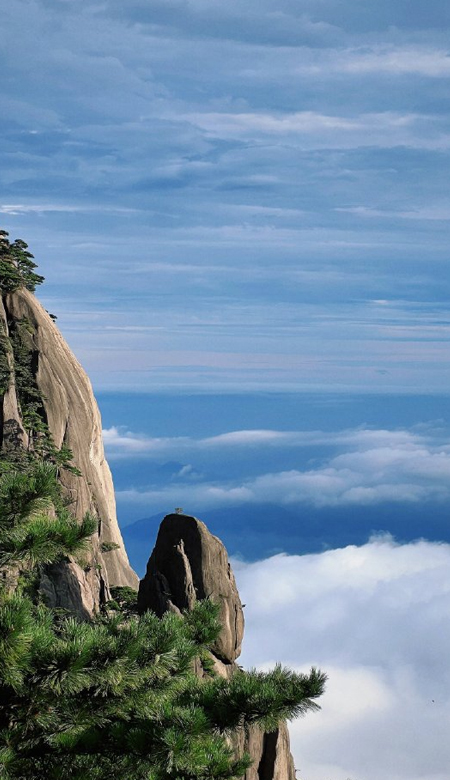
118,695
16,265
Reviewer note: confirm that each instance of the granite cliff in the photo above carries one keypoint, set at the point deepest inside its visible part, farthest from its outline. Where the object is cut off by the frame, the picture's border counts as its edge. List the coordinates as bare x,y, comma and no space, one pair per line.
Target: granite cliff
31,341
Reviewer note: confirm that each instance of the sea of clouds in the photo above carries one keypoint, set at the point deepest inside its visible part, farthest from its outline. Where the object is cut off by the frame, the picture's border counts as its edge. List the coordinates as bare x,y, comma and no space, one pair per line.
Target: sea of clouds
358,466
376,619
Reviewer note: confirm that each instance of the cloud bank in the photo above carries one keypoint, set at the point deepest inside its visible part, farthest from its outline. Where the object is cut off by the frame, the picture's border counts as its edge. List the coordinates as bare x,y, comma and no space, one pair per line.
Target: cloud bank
366,467
376,618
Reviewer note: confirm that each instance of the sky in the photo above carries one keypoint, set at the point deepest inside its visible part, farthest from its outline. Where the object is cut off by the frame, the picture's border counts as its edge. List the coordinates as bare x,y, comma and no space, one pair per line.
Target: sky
242,214
235,195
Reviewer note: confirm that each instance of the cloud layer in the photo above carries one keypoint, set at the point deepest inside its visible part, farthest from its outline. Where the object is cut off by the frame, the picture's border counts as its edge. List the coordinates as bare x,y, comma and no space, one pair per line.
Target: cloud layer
376,618
366,467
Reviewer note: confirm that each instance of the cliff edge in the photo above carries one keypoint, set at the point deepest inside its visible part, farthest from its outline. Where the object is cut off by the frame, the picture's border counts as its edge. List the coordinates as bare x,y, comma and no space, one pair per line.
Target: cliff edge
33,346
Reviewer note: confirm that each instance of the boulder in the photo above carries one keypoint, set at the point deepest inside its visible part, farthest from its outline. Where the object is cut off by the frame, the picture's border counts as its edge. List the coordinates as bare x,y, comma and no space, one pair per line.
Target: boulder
189,563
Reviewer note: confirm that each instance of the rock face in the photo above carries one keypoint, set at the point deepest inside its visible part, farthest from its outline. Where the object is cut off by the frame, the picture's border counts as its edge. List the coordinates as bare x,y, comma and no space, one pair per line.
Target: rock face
189,563
74,421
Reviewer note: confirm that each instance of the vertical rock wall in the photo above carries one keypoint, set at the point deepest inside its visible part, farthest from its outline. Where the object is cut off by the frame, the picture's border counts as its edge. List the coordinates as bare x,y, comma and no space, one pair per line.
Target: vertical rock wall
74,421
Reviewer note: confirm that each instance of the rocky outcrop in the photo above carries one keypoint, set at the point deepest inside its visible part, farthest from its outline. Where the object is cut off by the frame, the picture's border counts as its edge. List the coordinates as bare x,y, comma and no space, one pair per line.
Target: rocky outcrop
73,420
189,563
271,753
66,585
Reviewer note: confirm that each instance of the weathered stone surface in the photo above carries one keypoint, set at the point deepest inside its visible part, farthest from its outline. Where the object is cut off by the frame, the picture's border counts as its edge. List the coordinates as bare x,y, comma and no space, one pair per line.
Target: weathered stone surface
189,563
12,435
66,586
271,754
74,420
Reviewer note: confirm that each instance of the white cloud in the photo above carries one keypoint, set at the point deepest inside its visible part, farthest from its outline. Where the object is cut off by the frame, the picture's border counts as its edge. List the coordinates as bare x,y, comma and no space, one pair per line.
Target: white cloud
370,467
395,61
15,209
376,618
258,437
377,60
119,440
434,213
316,130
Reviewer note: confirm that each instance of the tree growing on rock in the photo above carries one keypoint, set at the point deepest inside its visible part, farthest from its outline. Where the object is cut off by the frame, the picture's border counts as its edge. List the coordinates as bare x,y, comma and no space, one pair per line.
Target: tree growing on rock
116,696
17,267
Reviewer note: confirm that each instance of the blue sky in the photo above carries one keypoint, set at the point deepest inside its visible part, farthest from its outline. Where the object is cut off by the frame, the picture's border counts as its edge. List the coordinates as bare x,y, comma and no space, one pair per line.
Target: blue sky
242,214
235,195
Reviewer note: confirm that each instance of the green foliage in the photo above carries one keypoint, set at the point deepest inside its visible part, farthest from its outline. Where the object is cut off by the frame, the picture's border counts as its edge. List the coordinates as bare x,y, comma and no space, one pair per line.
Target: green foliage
124,600
116,696
41,445
5,369
19,357
16,266
265,698
34,526
112,696
109,546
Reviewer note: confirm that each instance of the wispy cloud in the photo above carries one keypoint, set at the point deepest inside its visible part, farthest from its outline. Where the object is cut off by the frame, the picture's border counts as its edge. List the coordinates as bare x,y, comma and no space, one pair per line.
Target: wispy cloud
371,467
390,60
120,441
14,209
430,212
314,130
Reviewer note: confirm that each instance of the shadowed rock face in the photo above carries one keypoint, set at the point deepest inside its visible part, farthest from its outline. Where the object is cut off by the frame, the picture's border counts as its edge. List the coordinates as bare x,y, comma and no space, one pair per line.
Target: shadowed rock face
74,421
189,563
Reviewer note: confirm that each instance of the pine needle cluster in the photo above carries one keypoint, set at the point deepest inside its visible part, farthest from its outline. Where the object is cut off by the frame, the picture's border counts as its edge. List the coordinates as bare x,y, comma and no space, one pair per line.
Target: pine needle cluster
117,696
17,267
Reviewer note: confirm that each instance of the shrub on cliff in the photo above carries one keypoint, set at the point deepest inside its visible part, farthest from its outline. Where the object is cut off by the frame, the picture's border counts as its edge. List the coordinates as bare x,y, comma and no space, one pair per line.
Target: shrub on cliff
16,265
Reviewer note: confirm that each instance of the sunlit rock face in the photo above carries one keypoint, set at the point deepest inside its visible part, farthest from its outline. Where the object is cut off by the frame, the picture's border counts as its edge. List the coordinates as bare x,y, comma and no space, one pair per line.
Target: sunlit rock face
189,563
73,420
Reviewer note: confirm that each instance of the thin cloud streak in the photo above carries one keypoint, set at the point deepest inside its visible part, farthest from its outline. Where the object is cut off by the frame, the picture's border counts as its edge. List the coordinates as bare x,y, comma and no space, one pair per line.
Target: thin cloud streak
382,130
390,60
43,208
